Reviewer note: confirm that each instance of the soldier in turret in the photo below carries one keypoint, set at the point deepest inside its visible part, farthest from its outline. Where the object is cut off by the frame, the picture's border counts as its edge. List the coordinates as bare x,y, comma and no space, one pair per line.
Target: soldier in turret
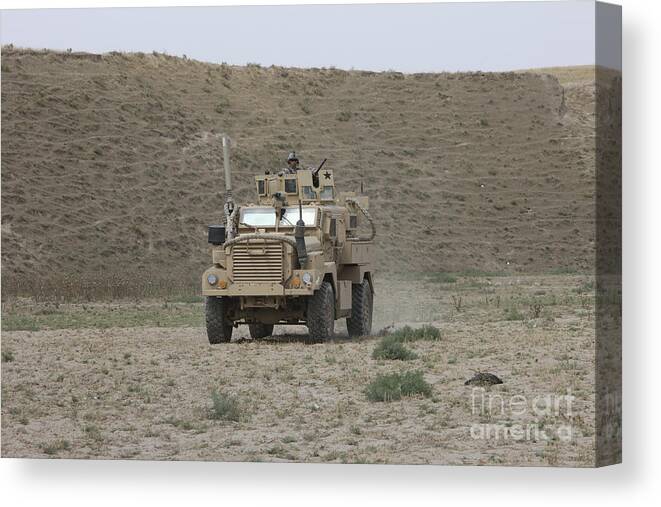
292,164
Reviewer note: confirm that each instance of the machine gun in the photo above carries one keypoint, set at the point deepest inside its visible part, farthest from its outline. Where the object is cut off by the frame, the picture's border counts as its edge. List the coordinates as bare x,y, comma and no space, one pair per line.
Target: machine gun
315,173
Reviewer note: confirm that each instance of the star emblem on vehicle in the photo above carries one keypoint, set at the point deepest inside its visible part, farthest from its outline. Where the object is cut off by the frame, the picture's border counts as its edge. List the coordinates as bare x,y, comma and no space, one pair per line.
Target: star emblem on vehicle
327,175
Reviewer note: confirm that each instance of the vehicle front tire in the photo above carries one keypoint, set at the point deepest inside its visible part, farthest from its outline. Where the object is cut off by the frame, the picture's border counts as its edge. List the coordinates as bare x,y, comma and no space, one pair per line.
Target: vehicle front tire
219,328
362,302
321,314
259,330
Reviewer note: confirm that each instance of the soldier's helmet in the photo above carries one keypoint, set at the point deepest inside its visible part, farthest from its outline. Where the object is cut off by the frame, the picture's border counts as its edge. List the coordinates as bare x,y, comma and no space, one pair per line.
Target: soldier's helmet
292,157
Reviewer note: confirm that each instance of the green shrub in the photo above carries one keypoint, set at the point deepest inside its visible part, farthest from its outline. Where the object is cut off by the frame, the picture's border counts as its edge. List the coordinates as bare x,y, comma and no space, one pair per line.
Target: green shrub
513,314
7,356
55,447
385,388
409,334
225,407
391,348
414,383
93,432
393,386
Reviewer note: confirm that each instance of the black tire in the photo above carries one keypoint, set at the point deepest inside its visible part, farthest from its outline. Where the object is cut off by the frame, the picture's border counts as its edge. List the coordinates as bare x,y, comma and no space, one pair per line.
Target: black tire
321,314
219,328
362,302
259,330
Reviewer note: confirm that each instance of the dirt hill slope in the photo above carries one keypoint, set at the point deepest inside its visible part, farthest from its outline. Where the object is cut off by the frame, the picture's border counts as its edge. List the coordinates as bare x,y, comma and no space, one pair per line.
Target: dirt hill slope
110,163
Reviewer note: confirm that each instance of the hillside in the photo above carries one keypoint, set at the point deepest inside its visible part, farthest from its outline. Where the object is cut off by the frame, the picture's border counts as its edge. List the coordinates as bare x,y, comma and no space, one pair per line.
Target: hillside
110,163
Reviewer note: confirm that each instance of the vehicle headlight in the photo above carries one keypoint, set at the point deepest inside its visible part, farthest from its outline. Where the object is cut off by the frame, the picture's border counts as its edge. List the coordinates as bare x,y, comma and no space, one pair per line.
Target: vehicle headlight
307,278
212,279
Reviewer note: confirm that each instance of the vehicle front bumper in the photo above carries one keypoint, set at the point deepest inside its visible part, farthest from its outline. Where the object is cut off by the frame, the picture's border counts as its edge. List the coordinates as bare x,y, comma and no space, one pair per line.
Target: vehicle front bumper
256,289
236,289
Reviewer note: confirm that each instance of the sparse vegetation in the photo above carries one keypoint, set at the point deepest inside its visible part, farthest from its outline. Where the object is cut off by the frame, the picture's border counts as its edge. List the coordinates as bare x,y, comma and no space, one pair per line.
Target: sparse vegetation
442,277
512,313
479,273
225,407
7,356
390,347
393,386
78,316
93,432
457,302
409,334
181,423
273,379
56,447
585,287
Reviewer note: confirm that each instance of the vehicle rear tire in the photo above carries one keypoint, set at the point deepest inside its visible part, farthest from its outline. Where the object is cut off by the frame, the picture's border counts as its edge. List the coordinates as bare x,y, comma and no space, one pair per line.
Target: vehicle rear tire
259,330
219,328
362,302
321,314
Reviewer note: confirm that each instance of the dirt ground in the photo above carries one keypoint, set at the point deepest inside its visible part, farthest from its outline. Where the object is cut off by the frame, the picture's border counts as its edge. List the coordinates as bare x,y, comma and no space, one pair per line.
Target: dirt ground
146,392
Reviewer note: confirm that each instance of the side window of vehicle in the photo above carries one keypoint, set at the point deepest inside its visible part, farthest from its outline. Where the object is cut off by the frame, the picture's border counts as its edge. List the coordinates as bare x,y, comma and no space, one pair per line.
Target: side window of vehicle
290,186
333,228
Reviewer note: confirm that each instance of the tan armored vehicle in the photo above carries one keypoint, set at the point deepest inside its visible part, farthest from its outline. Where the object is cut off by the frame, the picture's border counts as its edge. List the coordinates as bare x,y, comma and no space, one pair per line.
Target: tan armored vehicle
294,257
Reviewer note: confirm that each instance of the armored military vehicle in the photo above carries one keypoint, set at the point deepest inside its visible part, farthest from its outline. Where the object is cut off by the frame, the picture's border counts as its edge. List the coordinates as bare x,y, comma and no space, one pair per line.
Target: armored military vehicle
295,256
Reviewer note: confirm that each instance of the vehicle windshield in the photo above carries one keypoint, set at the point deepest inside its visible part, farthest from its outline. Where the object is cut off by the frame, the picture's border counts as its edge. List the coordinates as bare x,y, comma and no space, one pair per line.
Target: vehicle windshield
265,217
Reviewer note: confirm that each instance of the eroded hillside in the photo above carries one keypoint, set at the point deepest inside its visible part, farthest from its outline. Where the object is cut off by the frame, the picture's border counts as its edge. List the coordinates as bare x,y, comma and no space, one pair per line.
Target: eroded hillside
110,163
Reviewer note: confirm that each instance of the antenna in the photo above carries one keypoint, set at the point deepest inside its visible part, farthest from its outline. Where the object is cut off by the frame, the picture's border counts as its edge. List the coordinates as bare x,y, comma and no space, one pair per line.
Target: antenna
228,172
226,162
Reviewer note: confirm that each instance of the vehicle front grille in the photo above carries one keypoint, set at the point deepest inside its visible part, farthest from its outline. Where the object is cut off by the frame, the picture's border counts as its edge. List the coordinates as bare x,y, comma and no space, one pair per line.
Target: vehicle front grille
257,262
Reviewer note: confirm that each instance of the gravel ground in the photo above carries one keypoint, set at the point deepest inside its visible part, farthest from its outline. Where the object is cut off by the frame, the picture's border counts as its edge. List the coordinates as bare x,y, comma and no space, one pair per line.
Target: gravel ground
146,392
